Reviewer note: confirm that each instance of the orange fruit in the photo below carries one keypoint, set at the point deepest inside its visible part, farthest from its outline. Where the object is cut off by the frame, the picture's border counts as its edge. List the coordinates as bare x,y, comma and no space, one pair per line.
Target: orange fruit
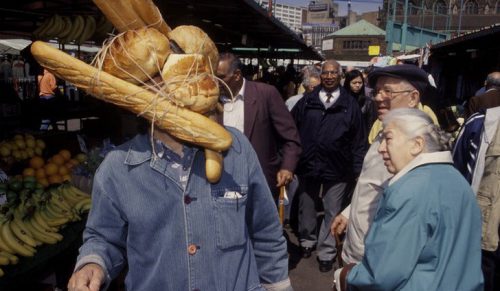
44,182
55,179
57,159
51,169
63,170
29,172
40,173
36,162
66,154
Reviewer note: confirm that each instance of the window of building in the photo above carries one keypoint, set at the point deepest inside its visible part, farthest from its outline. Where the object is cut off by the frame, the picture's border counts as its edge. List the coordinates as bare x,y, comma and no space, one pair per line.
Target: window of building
471,7
440,7
412,8
355,44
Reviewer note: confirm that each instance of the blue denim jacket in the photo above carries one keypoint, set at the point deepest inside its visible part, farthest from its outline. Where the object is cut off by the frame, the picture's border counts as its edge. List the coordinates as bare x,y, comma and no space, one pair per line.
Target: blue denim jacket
223,236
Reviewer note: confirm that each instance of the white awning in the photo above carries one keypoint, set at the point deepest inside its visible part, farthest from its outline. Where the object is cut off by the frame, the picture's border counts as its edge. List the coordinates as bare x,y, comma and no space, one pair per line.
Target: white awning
356,64
14,46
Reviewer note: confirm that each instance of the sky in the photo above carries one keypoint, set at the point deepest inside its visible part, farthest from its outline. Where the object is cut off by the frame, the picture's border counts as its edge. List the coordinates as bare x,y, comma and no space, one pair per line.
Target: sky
358,6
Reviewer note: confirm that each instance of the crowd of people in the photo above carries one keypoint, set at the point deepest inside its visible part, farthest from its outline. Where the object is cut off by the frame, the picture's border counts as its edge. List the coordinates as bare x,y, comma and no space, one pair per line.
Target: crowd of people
363,150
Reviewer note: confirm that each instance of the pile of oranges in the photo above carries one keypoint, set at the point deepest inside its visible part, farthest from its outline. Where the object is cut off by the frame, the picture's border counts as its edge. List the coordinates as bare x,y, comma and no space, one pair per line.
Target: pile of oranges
55,170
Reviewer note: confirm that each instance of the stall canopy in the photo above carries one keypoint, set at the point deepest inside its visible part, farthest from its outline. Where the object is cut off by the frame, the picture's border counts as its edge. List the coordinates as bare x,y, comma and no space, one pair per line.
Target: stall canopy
239,25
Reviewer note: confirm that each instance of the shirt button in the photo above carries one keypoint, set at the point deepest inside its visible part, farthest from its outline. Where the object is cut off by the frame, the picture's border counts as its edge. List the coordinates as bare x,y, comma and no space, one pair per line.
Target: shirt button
192,249
187,199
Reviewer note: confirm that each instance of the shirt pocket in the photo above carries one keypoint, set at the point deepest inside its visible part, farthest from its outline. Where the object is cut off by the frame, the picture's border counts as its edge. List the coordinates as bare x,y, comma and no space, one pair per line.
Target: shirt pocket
230,212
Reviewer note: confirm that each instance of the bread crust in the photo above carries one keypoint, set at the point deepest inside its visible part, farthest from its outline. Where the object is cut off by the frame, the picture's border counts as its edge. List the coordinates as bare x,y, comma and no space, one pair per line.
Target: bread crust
193,40
137,55
181,123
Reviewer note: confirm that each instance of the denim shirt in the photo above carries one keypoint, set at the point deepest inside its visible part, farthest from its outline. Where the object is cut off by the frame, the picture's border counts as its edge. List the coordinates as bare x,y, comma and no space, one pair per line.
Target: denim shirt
223,236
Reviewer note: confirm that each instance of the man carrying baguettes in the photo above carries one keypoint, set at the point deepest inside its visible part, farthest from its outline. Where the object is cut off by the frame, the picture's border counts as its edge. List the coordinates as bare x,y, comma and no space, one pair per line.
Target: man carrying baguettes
186,205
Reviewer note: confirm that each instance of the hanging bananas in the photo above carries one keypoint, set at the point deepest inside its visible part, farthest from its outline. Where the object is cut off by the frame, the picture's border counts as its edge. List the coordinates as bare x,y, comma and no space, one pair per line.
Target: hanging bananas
79,28
37,220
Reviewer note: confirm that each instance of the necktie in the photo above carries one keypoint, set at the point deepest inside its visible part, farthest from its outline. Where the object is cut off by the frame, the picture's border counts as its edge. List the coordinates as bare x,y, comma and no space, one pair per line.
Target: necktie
328,97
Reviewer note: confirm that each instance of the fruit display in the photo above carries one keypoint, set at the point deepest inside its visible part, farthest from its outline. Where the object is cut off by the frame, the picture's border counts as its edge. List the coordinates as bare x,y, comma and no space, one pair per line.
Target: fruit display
54,170
79,28
34,216
21,147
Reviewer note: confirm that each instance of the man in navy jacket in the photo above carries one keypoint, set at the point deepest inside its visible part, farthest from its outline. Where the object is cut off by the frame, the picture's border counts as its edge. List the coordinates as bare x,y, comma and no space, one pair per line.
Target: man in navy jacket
334,143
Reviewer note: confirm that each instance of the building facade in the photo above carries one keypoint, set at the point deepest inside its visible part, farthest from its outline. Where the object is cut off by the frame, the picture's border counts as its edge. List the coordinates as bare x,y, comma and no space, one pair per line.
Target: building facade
448,16
290,15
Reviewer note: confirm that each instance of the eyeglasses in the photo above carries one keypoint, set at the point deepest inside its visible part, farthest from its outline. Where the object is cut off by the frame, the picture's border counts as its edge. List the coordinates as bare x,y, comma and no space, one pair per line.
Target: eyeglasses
387,93
326,73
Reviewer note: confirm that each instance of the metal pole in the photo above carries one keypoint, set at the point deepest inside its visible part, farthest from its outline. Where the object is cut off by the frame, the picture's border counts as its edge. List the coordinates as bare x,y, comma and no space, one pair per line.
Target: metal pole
404,27
389,28
460,17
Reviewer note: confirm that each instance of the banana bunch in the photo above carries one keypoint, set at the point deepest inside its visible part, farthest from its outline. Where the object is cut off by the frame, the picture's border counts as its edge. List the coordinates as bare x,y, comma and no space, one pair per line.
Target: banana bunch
37,220
67,29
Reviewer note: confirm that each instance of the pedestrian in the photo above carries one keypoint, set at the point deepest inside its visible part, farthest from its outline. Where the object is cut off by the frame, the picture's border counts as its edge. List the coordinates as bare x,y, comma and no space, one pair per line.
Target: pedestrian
310,79
47,85
258,111
398,86
334,143
489,99
158,215
355,84
426,234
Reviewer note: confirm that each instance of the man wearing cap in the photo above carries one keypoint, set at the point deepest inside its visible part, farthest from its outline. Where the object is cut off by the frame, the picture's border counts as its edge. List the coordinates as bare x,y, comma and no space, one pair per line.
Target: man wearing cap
333,137
398,86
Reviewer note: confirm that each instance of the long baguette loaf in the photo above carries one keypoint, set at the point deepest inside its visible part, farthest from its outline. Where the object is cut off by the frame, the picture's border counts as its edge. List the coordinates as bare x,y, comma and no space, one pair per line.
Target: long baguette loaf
179,122
121,14
150,15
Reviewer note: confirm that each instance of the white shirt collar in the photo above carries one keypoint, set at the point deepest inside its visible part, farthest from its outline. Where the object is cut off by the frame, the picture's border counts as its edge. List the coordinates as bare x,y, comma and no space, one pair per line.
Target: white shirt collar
335,97
241,93
422,159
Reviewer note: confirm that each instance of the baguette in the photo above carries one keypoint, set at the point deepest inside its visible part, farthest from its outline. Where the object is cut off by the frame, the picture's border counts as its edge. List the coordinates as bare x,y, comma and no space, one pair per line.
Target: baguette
213,165
179,122
150,15
121,14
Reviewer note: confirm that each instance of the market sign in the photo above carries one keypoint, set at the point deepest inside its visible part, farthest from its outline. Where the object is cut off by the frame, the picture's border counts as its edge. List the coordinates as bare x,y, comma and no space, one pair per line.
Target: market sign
373,50
327,45
320,11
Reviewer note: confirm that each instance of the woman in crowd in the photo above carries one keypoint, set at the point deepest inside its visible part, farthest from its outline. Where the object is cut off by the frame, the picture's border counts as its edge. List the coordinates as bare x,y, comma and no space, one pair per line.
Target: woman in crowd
427,231
354,83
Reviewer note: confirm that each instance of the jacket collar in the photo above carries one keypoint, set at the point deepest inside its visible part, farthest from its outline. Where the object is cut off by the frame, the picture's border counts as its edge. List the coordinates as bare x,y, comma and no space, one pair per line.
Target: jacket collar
343,101
424,159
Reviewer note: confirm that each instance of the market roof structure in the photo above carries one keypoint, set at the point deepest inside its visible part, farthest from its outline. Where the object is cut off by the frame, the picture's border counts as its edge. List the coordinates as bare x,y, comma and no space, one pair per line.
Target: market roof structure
361,27
231,24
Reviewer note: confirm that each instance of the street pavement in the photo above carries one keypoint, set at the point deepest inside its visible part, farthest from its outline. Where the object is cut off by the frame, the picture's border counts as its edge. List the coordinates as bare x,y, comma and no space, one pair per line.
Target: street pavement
304,273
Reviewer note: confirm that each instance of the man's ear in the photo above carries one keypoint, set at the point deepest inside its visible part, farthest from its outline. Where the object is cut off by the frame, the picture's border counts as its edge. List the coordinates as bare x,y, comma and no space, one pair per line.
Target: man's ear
414,99
237,75
418,146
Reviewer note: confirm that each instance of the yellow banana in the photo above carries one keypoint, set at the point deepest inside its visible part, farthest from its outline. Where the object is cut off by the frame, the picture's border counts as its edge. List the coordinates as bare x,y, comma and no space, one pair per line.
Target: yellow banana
60,202
79,193
4,247
1,273
80,23
41,235
90,26
12,258
14,243
22,233
4,260
37,215
83,205
46,218
67,27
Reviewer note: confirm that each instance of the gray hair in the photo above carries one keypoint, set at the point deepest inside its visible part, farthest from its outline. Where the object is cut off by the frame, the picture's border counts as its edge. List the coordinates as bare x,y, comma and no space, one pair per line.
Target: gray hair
493,80
234,61
413,122
309,72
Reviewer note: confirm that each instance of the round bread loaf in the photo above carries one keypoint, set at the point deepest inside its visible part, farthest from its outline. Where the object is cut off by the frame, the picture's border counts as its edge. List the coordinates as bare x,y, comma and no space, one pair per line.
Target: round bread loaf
137,55
193,40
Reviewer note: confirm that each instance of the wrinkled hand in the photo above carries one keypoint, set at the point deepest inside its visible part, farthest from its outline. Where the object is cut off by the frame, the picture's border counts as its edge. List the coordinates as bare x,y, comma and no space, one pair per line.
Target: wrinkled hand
88,278
284,177
339,225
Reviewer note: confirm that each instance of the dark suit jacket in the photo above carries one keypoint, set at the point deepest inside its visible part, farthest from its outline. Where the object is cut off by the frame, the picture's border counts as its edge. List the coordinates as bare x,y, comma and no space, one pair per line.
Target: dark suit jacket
271,130
487,100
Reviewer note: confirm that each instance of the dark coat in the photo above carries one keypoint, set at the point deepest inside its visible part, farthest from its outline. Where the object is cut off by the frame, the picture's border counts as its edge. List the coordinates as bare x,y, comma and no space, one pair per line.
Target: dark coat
334,140
487,100
271,130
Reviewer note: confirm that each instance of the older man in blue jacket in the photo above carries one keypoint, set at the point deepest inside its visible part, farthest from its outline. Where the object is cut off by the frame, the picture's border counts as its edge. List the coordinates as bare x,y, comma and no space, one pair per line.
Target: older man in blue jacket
334,143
